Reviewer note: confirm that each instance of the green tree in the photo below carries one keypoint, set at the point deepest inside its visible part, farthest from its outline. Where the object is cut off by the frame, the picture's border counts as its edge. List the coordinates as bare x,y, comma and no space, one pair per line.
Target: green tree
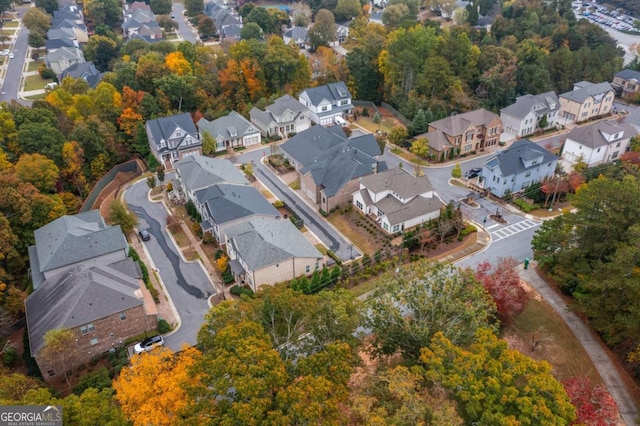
396,14
93,407
397,135
301,14
101,51
323,30
456,172
56,349
48,6
263,18
206,27
194,7
161,7
36,40
521,390
208,143
39,171
120,215
42,138
36,21
104,12
437,298
251,30
151,181
348,9
420,147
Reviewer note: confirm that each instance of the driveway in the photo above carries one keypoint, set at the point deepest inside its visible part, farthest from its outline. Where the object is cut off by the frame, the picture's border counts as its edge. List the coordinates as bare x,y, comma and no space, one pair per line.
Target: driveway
187,284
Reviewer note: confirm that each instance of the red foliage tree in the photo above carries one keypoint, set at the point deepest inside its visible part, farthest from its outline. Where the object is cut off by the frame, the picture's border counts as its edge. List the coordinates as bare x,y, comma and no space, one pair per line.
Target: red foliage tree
594,405
503,284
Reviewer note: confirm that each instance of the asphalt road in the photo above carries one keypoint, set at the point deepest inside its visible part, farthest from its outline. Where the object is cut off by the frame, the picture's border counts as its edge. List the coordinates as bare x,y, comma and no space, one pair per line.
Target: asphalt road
312,220
11,83
183,25
187,283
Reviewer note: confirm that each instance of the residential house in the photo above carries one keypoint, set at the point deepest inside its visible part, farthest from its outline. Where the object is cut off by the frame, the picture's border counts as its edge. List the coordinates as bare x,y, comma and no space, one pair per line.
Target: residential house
342,31
84,282
330,165
83,238
231,131
586,101
54,44
265,251
227,22
140,22
172,138
397,199
327,102
284,116
298,36
530,113
463,133
70,17
375,17
197,172
224,205
84,70
63,58
598,143
627,84
517,167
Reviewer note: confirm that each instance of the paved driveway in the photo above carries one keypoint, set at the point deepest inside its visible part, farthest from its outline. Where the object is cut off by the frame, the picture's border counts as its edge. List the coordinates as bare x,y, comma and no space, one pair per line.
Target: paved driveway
187,283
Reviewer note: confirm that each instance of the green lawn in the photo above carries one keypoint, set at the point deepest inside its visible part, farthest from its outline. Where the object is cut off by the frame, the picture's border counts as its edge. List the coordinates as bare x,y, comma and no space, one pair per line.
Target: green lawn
12,24
35,82
8,32
35,65
408,156
367,123
321,248
36,97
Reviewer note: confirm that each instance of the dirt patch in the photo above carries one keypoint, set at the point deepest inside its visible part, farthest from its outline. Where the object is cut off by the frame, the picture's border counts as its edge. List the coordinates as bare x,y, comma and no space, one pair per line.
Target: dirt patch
445,249
110,192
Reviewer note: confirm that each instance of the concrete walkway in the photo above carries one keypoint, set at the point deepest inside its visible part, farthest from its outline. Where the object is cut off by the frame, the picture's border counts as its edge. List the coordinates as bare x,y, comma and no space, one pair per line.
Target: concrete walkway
604,365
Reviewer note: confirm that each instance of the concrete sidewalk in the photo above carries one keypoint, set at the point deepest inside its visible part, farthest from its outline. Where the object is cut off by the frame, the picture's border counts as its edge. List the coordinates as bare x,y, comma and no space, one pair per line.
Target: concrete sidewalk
604,365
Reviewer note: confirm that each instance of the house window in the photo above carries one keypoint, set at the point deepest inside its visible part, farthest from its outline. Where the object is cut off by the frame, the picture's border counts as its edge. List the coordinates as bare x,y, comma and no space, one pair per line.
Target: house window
468,136
307,269
87,328
51,373
618,145
324,108
344,102
614,155
359,205
457,140
598,150
317,265
395,228
385,226
94,342
527,174
584,114
277,265
123,316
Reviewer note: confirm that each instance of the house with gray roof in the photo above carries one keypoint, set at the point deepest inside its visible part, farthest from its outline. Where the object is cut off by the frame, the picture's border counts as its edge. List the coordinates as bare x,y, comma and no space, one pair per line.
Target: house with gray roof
307,145
197,172
230,131
84,281
172,138
516,168
598,143
284,116
69,240
586,101
63,58
102,305
397,200
328,102
86,71
626,83
529,114
142,22
227,22
224,205
265,251
298,36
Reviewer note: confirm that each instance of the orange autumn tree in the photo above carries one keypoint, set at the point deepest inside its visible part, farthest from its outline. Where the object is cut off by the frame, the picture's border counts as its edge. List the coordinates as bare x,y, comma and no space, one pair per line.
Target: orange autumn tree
131,98
152,391
129,120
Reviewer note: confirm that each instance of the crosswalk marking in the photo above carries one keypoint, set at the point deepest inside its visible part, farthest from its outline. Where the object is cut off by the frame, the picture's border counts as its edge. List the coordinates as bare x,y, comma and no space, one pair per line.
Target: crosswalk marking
515,228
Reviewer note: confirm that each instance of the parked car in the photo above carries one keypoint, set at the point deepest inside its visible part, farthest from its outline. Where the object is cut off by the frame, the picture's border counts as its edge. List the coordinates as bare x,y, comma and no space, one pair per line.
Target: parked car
11,55
144,234
148,344
472,173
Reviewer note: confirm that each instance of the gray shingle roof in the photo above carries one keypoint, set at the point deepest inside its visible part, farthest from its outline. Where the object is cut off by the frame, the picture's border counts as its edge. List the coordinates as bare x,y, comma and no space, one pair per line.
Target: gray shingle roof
198,171
227,202
162,128
398,212
592,135
332,92
399,181
262,242
309,144
297,33
542,103
456,125
72,239
628,74
510,161
582,90
230,126
79,296
437,140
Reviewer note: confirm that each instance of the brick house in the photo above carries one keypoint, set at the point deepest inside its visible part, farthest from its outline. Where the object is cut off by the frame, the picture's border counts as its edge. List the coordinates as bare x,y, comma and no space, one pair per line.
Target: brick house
627,84
586,101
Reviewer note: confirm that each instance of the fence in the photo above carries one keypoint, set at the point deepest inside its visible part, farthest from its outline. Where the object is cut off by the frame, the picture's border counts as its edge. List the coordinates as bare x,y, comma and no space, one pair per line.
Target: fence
404,120
294,218
129,166
367,104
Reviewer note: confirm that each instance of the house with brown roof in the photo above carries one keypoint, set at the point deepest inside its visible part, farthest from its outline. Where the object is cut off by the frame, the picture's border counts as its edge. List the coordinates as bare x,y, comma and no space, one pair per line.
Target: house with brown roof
397,200
627,83
463,133
597,143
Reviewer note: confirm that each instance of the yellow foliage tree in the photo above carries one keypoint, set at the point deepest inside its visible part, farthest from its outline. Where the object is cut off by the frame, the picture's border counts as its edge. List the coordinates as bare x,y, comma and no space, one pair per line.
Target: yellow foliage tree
177,64
152,391
222,262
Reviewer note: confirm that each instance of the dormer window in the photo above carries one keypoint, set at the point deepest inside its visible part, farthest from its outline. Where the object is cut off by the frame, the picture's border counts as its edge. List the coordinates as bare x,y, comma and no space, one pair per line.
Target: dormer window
232,132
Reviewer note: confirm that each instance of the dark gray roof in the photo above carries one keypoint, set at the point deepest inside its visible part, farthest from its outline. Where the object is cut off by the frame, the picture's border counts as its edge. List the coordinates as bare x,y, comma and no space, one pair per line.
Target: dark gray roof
542,103
593,135
162,128
582,90
284,103
628,74
510,161
198,171
332,92
399,181
73,239
297,33
398,212
262,242
57,43
79,296
307,145
227,202
84,70
230,126
69,53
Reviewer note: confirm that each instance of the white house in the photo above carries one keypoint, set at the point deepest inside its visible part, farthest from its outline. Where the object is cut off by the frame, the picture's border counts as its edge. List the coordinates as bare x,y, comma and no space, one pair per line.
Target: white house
327,102
397,199
283,117
527,114
598,143
230,131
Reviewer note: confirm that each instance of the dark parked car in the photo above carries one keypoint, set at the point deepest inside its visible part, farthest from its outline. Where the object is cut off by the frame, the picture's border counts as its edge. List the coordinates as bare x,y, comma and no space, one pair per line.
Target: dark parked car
145,235
148,344
472,173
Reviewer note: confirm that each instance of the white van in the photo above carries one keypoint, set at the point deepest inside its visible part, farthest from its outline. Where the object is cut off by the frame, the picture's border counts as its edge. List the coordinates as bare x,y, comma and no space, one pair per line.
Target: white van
340,121
50,86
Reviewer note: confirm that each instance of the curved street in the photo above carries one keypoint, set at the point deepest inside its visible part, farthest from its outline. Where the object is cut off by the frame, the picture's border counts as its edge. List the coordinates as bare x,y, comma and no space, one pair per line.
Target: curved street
187,283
